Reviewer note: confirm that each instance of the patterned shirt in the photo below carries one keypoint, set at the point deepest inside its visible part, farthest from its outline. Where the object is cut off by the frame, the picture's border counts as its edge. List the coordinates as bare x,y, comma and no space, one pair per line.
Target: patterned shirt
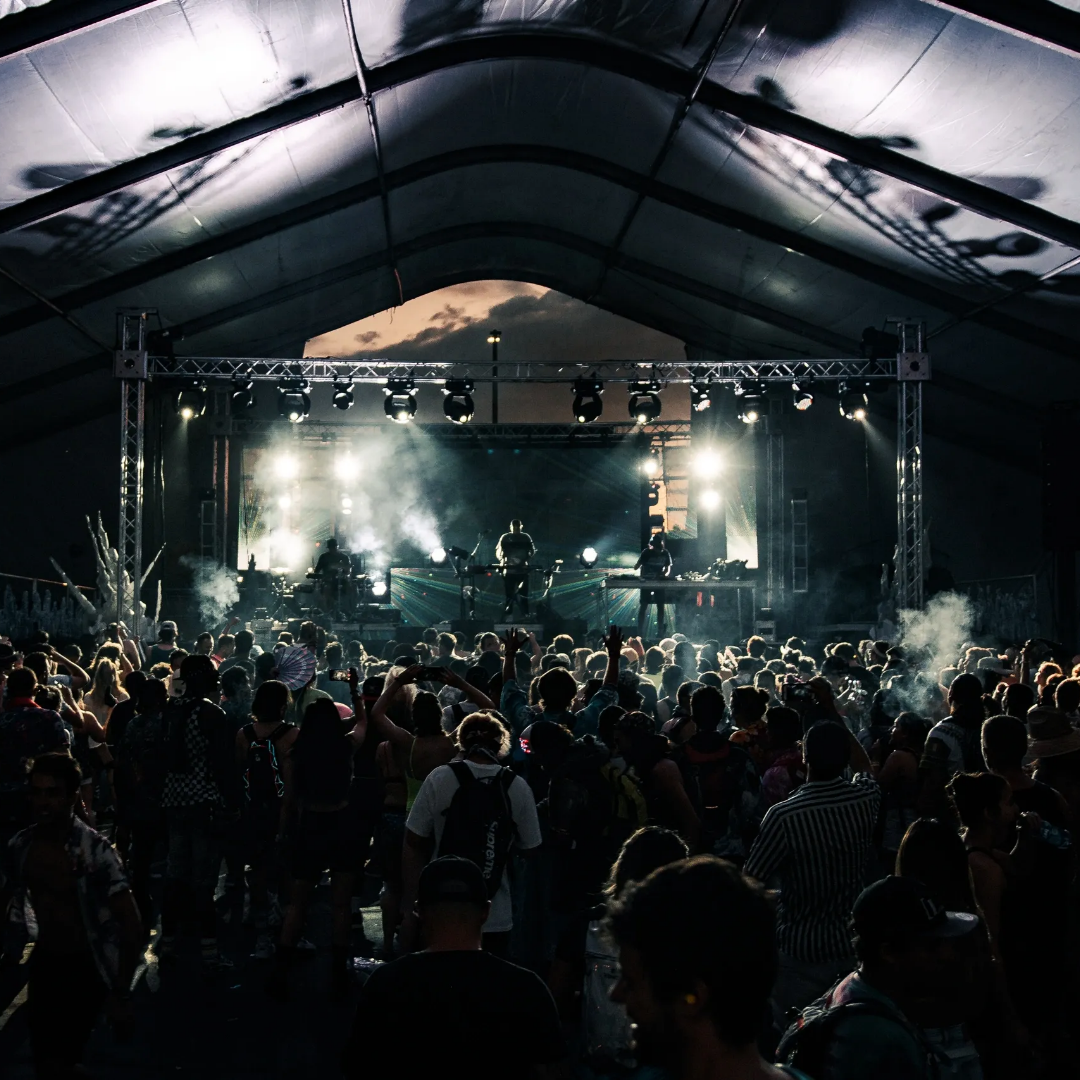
816,844
26,730
194,726
98,877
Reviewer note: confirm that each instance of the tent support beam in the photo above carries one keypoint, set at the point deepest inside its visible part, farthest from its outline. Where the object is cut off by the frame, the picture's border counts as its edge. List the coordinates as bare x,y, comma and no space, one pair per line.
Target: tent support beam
607,56
688,202
60,19
1034,20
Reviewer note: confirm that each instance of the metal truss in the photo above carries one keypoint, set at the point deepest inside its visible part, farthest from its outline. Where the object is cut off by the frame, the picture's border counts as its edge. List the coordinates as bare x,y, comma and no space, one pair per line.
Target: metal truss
330,369
131,370
914,370
569,435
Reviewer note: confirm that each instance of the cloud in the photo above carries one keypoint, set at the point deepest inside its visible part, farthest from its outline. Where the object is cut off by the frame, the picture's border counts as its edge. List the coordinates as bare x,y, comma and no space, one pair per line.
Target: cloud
536,324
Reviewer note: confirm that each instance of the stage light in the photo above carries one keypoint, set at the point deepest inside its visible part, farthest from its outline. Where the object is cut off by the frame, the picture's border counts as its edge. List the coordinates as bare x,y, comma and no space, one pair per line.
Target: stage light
458,404
588,557
191,401
587,404
700,396
494,337
438,556
284,502
654,494
346,503
852,403
708,463
645,401
243,394
802,399
709,499
751,398
400,404
287,467
293,401
346,467
343,395
378,588
651,465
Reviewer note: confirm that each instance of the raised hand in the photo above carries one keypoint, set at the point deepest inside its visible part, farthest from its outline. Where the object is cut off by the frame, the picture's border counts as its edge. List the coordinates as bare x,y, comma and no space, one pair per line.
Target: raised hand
614,639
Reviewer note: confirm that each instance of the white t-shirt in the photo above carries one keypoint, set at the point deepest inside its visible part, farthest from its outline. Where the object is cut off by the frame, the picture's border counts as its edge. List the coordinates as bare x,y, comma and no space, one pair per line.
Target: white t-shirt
427,818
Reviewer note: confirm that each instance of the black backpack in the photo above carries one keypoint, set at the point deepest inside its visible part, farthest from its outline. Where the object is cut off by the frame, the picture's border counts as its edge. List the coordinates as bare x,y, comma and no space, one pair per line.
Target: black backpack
263,782
714,782
590,800
479,822
805,1044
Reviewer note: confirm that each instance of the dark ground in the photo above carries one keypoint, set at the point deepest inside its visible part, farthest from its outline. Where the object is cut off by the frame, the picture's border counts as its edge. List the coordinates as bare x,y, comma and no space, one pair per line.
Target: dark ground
228,1027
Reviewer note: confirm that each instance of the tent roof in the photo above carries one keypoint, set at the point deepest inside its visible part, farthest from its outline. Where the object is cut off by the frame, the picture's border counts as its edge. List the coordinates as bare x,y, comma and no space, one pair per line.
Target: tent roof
762,178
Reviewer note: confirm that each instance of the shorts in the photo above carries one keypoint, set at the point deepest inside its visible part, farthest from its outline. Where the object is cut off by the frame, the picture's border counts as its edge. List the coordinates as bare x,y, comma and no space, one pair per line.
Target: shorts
389,839
324,842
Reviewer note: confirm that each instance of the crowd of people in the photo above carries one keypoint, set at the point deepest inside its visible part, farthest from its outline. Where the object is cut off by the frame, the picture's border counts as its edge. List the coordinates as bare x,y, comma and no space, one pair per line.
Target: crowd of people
601,858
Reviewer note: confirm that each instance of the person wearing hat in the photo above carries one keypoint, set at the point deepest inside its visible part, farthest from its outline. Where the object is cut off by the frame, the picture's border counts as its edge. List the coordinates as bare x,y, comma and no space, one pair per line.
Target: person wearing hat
910,976
452,1006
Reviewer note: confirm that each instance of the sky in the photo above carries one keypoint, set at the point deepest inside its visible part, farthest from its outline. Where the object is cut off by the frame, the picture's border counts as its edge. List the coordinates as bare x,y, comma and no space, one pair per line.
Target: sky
536,324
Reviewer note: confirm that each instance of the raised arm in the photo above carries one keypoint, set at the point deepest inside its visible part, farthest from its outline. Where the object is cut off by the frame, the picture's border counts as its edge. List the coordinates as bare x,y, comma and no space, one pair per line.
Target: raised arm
613,643
79,679
398,736
477,697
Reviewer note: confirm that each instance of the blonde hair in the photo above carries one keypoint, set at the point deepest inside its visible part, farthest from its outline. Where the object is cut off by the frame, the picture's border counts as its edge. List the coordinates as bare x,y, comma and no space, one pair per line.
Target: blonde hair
483,730
106,679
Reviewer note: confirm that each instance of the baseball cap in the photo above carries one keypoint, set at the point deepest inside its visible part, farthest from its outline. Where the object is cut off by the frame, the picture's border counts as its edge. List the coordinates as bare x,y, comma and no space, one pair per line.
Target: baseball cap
902,906
452,880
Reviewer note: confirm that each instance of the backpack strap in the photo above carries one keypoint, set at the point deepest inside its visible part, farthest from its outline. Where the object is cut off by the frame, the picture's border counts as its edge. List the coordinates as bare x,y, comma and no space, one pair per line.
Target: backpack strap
249,733
463,773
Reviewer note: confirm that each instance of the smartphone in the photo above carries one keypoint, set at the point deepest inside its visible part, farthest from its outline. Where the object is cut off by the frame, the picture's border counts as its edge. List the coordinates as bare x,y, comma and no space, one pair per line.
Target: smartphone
339,674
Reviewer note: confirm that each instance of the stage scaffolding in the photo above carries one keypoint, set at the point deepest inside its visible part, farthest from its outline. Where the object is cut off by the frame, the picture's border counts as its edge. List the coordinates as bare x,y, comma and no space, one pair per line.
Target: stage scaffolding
910,368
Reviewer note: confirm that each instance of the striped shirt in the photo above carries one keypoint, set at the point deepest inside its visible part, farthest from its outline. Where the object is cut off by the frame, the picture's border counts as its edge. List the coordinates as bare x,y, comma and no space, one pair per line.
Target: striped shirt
816,845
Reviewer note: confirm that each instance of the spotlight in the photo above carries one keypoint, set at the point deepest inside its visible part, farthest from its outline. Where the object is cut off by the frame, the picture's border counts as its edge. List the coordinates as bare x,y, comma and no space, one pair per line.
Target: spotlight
708,463
243,394
803,399
494,337
191,401
346,503
346,467
645,401
751,402
400,404
651,465
700,396
654,494
293,401
587,404
458,403
343,395
852,402
284,502
588,557
709,499
287,467
378,588
438,556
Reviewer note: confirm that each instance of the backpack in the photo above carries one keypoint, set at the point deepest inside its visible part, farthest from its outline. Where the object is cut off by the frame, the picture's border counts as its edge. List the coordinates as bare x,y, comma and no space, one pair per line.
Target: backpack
479,823
805,1044
714,782
590,798
263,782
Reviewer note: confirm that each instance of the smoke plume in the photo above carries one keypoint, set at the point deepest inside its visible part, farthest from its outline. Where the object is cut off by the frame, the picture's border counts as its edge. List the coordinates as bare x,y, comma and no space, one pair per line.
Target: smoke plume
937,633
215,587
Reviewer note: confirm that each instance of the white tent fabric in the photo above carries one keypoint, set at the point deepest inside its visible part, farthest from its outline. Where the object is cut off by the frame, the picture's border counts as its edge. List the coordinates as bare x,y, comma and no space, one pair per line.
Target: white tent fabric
216,160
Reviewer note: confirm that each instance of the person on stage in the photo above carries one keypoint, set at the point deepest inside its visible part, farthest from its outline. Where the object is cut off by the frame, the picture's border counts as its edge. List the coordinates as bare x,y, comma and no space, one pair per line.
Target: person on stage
655,565
332,568
514,551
